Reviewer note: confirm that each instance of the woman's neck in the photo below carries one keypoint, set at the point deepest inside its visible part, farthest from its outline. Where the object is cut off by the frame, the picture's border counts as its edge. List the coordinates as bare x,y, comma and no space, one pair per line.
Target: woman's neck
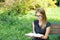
40,23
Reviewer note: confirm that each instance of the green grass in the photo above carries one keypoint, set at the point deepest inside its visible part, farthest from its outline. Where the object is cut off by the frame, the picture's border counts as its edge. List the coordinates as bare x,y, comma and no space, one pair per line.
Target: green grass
53,14
15,27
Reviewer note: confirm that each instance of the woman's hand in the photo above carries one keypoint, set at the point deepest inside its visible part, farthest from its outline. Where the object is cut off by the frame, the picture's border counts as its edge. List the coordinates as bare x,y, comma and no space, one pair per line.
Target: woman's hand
44,37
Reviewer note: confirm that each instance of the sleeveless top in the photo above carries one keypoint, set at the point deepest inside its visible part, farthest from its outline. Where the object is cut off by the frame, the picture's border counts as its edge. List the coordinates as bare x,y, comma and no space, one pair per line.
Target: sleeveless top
38,29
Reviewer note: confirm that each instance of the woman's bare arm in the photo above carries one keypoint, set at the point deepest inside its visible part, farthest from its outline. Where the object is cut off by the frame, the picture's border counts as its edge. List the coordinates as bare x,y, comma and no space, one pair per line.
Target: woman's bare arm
47,33
33,27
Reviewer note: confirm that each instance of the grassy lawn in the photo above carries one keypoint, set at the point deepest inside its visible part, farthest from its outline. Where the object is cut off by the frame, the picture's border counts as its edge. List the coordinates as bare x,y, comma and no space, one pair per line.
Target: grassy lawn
53,14
16,27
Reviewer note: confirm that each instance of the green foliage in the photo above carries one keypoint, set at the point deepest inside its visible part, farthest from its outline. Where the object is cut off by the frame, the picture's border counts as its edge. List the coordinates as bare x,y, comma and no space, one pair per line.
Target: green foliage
21,7
15,28
2,0
18,6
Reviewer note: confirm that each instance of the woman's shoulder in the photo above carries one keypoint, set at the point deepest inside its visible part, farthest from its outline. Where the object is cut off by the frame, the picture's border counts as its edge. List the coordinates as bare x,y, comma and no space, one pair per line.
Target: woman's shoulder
48,24
35,21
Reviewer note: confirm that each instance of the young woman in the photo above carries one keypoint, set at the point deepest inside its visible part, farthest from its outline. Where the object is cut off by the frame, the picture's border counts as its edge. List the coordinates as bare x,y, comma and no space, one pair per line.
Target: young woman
41,25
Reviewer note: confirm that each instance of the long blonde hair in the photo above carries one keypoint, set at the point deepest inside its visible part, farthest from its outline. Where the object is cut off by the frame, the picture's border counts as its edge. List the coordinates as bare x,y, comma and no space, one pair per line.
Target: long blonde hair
44,21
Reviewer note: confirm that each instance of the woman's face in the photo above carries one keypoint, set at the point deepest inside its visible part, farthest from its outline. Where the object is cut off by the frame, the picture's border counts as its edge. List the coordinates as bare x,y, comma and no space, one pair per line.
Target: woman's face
39,16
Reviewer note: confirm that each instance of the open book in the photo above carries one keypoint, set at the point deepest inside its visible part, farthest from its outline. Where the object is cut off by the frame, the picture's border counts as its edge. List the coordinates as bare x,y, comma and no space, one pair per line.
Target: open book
34,34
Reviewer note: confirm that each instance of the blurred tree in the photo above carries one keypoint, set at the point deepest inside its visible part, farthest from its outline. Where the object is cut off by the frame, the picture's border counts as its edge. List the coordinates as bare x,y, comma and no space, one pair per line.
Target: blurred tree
23,6
58,3
2,0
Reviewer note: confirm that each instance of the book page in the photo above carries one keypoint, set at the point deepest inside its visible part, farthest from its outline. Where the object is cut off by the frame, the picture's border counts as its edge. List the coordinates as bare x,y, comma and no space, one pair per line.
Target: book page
34,34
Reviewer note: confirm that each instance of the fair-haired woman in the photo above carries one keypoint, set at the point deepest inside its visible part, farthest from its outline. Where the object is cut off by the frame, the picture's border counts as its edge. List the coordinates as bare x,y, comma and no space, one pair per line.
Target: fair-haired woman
41,25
